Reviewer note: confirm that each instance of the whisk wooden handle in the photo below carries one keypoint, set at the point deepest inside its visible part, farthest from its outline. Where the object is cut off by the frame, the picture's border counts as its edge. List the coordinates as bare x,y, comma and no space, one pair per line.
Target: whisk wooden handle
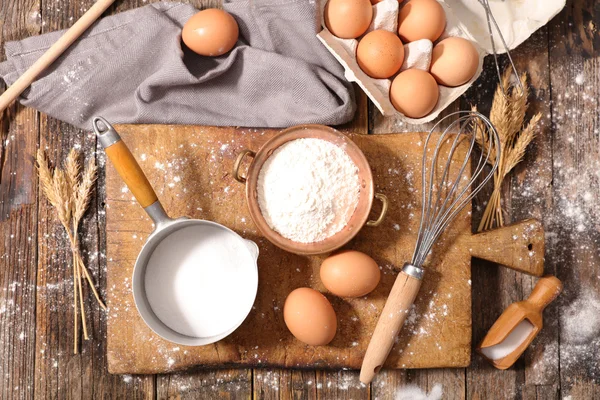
390,321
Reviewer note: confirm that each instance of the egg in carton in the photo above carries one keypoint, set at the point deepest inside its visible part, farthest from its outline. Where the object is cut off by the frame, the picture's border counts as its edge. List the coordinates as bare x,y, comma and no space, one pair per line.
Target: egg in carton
517,20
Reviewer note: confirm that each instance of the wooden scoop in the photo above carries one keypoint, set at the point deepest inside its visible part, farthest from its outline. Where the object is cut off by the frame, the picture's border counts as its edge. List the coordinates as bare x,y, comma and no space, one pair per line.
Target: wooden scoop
518,325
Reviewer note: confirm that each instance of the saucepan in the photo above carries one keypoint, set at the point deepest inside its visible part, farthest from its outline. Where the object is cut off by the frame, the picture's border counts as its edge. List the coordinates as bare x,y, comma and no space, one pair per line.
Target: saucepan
194,281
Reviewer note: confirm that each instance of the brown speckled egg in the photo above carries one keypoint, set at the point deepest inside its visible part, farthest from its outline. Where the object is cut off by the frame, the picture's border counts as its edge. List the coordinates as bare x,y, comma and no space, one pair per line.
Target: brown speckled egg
211,32
380,54
414,93
348,19
421,19
454,61
350,273
310,317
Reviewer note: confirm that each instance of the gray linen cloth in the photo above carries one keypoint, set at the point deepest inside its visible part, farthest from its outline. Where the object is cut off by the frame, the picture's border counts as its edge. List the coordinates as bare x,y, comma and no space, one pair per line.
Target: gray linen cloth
131,68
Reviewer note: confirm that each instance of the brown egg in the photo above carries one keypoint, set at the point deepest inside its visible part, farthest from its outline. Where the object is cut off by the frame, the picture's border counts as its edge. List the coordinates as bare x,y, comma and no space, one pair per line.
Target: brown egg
380,54
454,61
348,19
211,32
414,93
421,19
310,317
350,273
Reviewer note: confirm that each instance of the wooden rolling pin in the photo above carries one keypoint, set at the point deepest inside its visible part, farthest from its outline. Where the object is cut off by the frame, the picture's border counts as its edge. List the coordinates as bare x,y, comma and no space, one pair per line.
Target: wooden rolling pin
55,51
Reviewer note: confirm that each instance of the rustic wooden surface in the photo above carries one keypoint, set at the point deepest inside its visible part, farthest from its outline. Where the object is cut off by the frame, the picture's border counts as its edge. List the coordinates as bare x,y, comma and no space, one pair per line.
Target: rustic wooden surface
557,183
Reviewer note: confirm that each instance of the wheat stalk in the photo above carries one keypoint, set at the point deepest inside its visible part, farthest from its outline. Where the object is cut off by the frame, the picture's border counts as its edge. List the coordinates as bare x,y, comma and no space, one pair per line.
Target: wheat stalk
46,180
508,116
522,142
72,169
69,192
83,192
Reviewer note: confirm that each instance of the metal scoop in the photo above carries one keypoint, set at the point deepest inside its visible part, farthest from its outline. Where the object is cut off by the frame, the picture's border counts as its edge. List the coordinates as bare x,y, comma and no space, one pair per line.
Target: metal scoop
189,303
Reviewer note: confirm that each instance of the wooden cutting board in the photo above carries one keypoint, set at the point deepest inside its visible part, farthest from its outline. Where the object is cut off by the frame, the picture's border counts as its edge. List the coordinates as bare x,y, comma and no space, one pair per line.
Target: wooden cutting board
190,169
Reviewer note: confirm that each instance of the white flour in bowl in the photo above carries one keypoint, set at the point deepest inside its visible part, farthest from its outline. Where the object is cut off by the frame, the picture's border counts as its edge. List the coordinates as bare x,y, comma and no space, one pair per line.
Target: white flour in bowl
308,189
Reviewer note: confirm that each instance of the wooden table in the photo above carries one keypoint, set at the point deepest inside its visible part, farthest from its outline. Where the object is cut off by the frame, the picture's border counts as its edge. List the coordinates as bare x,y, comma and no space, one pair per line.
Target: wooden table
559,175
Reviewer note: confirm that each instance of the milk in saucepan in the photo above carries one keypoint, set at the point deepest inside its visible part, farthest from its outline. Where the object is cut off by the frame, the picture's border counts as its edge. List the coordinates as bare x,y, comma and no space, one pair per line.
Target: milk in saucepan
196,279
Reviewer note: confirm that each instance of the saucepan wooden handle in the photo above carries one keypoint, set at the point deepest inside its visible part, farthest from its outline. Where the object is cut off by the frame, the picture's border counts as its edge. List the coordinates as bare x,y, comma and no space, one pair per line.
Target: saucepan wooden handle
390,321
124,162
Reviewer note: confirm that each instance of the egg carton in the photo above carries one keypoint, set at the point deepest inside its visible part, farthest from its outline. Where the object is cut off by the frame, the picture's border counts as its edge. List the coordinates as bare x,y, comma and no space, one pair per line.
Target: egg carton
517,20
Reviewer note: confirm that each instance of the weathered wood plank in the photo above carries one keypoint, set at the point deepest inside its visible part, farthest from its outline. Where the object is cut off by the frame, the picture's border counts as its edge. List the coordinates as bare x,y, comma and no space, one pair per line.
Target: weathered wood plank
386,383
220,384
574,45
17,297
341,385
285,384
542,392
529,195
18,218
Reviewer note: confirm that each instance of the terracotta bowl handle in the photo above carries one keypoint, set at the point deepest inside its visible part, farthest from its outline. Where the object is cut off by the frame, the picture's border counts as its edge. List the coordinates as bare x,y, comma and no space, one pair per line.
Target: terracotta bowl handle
384,209
238,163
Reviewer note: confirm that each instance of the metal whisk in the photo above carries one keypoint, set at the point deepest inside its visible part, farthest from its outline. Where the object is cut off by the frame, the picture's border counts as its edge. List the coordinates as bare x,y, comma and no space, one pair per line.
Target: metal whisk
445,194
491,23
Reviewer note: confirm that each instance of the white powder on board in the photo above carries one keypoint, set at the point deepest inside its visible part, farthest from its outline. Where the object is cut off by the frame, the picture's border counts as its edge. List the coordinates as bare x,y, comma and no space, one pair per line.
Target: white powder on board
511,342
201,280
308,189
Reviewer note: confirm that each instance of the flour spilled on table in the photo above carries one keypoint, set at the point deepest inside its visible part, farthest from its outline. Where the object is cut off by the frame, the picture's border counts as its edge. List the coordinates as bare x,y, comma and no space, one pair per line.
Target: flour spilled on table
580,321
579,338
580,333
